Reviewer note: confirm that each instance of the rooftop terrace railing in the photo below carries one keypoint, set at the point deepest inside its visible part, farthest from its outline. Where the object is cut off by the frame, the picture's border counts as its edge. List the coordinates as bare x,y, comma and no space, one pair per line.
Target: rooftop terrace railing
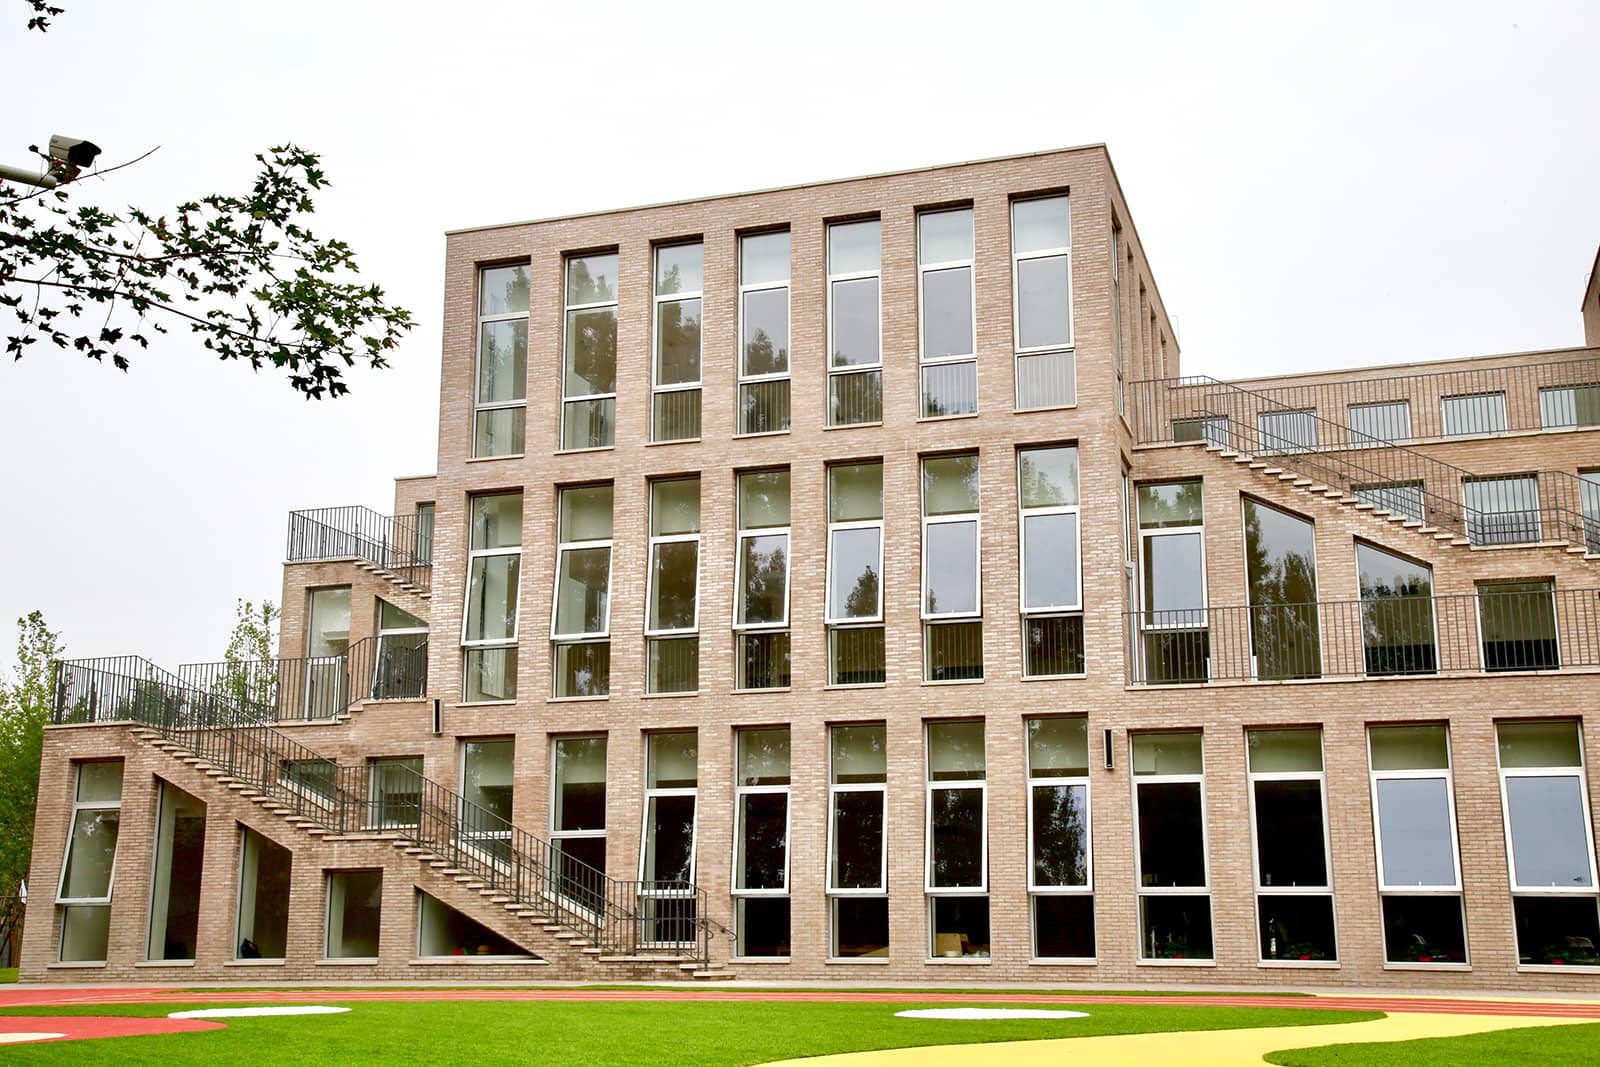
1523,629
382,667
397,543
620,917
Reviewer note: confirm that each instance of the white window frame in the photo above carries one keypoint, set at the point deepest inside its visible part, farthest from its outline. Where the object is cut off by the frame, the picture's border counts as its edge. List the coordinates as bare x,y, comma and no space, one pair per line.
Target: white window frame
965,784
72,822
925,361
835,788
1140,585
557,835
657,299
655,793
975,517
745,533
403,631
1023,515
1447,775
1321,778
746,290
469,839
1070,345
562,548
1579,772
829,618
1140,889
1035,889
473,555
479,407
740,791
852,276
567,309
656,541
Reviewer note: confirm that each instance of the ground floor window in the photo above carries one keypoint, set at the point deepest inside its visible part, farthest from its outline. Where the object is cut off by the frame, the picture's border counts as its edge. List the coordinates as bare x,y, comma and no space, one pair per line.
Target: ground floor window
264,869
959,927
355,912
85,929
860,927
175,884
1557,930
444,931
1063,926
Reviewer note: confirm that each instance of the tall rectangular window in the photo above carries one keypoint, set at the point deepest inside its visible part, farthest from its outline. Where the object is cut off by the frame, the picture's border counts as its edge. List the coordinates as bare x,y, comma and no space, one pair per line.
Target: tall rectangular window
1503,509
761,584
1414,822
1060,863
400,668
578,819
855,355
487,791
580,612
1380,423
1281,572
952,604
175,881
957,841
424,536
1041,299
858,854
675,403
1397,623
667,846
395,791
1171,846
672,615
1172,552
90,866
489,624
1402,498
1589,502
1473,414
1287,431
855,574
761,842
325,686
262,930
1116,317
589,360
500,408
949,348
1517,621
1293,865
764,332
1052,569
1568,406
1549,842
355,914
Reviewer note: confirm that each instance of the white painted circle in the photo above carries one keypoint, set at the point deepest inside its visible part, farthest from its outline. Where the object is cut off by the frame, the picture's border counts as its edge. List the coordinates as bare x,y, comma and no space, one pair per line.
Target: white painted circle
990,1013
17,1039
245,1013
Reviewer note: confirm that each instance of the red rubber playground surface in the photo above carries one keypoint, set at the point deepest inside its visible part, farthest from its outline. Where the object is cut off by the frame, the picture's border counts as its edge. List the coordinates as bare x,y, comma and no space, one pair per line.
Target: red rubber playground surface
23,997
77,1027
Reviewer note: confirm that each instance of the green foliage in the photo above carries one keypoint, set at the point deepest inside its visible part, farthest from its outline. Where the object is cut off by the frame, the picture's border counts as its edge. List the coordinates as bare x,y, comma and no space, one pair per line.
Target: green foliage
243,272
25,701
42,13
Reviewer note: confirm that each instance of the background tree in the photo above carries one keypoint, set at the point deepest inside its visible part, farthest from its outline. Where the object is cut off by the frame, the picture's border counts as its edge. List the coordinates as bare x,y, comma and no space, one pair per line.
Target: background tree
250,675
25,700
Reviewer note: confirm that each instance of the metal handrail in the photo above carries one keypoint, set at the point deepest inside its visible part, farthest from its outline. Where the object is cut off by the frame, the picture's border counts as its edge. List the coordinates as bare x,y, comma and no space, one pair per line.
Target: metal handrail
394,542
1381,636
381,667
237,737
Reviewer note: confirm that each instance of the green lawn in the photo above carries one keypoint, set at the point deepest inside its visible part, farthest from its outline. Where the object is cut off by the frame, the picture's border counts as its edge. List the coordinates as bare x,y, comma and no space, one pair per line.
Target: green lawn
7,974
1536,1045
501,1032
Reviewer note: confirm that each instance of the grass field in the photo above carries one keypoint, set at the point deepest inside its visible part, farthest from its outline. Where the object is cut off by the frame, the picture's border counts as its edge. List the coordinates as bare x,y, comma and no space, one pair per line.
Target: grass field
1537,1046
7,974
712,1035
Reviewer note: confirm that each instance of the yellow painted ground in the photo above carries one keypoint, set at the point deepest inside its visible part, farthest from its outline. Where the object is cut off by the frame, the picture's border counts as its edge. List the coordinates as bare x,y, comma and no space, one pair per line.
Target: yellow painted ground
1204,1048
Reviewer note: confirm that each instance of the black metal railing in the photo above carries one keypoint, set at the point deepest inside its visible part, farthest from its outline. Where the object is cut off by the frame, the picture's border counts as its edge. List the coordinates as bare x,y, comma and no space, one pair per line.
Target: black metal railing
615,915
397,543
292,689
1527,628
1558,394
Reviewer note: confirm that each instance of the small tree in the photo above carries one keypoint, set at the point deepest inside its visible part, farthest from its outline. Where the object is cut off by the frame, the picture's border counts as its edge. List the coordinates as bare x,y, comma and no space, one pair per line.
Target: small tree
251,675
25,701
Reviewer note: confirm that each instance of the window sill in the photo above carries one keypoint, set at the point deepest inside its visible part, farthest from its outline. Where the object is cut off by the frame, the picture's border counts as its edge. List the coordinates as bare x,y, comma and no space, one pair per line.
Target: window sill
1557,968
858,961
763,433
580,451
468,961
742,960
491,459
954,681
1063,961
859,685
1053,677
365,961
1313,965
486,704
674,441
761,692
75,966
577,700
254,963
852,425
947,418
1176,963
960,961
1427,966
165,963
1052,407
668,696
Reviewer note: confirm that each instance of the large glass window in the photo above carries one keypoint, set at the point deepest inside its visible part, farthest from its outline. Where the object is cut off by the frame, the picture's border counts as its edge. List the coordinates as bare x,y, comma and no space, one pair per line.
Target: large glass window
500,408
1397,623
1052,569
1414,821
761,584
1170,845
1502,510
958,840
90,866
578,819
580,614
672,614
1380,423
855,574
1287,431
1172,559
444,932
949,350
487,769
395,791
1281,570
764,332
858,855
1060,868
263,921
589,363
400,669
1293,864
1401,498
1041,294
175,881
667,847
1518,623
1562,407
855,356
761,842
675,403
952,605
325,692
1472,414
1549,842
489,624
355,914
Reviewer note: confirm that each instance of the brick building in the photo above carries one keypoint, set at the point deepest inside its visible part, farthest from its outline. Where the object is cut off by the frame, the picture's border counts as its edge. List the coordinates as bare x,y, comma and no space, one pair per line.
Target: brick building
842,581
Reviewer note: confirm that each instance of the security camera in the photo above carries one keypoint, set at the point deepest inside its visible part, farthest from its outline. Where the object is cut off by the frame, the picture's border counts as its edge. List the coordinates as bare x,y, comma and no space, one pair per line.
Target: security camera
73,151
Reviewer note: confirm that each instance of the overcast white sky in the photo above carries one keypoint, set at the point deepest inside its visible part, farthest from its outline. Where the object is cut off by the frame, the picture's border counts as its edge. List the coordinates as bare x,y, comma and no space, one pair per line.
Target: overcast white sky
1369,183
